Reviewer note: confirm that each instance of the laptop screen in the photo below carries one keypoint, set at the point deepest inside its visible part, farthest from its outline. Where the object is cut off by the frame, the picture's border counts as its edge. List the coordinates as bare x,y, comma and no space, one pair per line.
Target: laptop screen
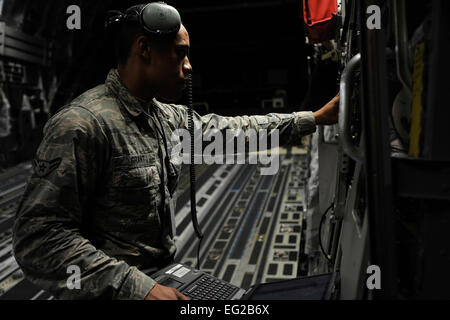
306,288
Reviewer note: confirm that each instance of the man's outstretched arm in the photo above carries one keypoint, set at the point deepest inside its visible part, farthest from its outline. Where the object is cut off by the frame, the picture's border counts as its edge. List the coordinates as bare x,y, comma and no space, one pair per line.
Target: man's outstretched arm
291,126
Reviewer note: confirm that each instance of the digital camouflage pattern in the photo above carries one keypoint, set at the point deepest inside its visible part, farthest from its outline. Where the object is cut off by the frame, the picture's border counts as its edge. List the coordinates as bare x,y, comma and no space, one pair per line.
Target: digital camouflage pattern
95,196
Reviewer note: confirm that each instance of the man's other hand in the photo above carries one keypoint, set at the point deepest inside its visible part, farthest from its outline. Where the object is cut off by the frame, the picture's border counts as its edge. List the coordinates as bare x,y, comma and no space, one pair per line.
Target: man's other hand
160,292
328,114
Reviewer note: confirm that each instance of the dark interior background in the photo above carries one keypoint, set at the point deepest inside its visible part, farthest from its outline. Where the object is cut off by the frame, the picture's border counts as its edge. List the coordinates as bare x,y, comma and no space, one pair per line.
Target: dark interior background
241,51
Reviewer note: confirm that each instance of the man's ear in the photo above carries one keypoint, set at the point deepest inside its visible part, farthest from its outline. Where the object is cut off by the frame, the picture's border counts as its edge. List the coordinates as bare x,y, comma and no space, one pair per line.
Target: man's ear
143,47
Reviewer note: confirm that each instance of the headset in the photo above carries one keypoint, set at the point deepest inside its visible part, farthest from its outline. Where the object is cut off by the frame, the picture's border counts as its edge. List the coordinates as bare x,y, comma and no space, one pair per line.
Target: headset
160,20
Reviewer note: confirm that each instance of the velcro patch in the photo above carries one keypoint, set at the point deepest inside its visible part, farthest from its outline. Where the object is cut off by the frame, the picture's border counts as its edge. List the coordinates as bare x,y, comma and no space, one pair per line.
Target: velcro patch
44,167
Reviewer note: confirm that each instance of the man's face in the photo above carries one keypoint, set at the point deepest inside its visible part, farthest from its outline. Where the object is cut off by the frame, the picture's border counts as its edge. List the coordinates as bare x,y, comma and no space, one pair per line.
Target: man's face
170,67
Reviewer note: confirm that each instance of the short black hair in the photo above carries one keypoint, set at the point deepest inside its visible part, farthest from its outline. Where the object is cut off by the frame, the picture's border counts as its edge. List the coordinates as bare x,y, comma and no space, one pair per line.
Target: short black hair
128,33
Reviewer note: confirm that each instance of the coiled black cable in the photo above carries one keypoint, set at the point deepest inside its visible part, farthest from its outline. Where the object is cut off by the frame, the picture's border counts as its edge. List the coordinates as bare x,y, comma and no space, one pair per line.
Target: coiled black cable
192,167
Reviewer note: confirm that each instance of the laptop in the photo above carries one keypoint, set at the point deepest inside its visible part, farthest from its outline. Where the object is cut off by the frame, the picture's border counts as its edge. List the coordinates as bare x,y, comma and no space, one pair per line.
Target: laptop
196,284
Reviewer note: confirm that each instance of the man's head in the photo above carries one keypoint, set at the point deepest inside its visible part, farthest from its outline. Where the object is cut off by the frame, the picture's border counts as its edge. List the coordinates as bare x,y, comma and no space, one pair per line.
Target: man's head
157,65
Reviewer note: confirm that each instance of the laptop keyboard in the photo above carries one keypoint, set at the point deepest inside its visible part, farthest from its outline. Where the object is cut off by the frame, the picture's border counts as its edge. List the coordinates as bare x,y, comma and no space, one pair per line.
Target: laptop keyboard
209,288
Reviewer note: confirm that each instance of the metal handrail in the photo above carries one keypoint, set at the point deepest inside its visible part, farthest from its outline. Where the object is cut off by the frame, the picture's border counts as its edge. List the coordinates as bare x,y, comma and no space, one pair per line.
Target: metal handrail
350,149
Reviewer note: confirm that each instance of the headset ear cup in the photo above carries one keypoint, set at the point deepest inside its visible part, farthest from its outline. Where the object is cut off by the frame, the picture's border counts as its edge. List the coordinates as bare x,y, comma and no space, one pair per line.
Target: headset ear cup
161,19
156,18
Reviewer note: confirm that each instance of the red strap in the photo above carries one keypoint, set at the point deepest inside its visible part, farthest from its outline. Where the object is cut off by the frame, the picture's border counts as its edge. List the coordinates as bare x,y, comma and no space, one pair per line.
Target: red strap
316,11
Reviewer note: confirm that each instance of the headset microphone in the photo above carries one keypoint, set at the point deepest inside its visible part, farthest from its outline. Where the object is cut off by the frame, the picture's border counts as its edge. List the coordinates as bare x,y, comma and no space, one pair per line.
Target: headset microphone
192,168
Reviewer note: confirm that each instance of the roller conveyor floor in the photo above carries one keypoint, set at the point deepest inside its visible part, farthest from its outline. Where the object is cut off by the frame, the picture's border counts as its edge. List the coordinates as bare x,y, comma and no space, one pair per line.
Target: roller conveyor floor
252,224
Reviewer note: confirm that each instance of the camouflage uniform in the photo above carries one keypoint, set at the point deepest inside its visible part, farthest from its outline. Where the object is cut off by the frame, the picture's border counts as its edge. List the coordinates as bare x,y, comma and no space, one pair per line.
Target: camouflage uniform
94,197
